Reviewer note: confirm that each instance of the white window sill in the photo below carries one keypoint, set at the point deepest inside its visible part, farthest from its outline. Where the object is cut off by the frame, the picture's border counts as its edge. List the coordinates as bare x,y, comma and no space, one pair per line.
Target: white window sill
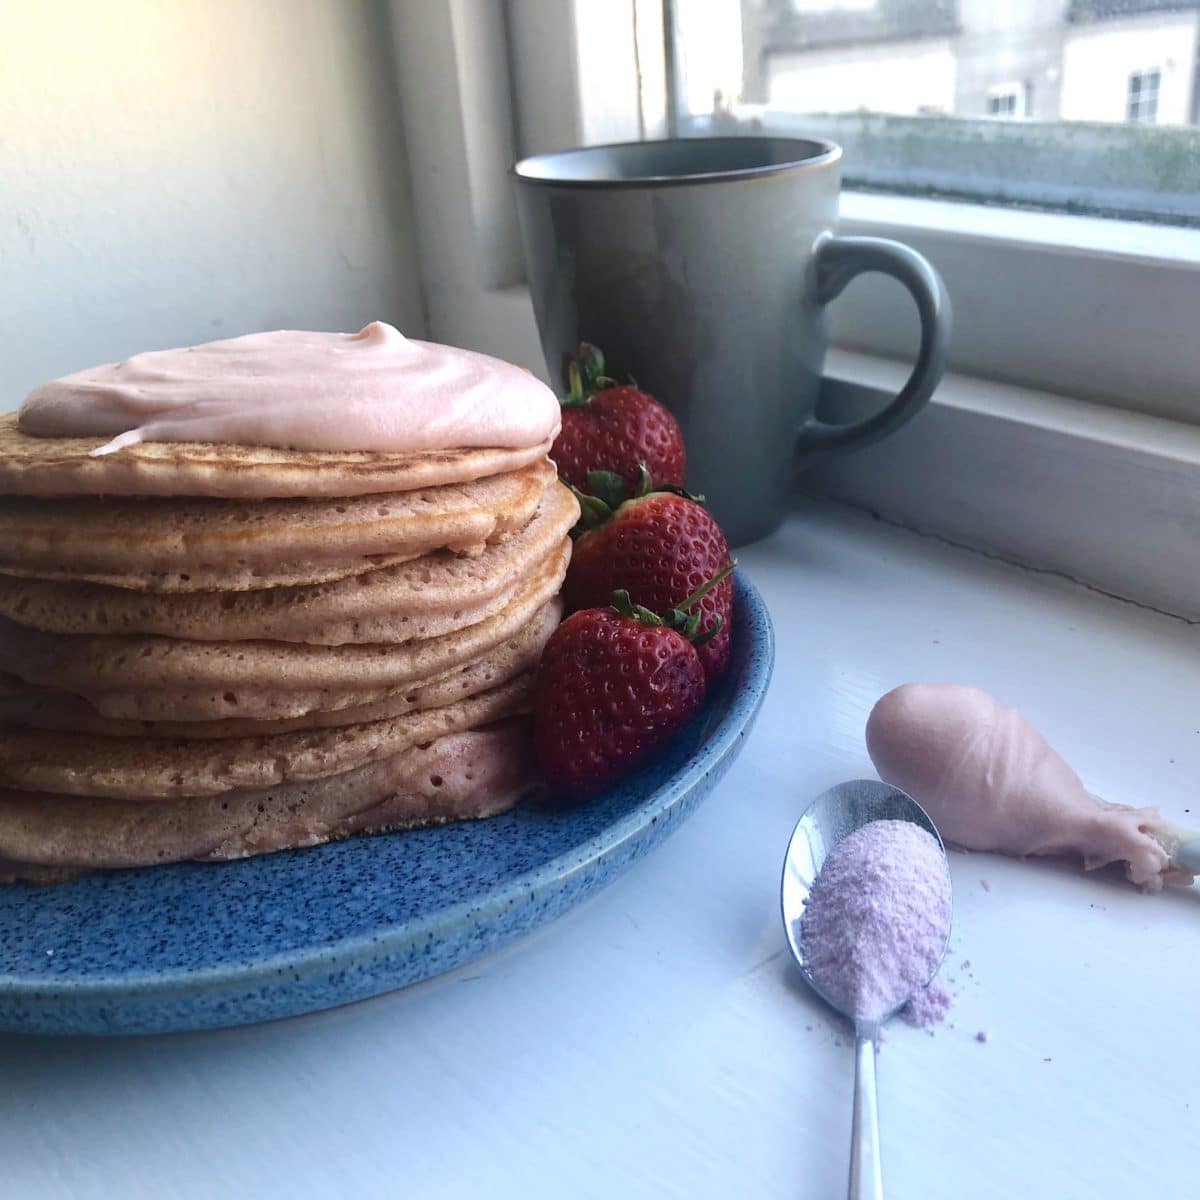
1081,306
1101,495
674,996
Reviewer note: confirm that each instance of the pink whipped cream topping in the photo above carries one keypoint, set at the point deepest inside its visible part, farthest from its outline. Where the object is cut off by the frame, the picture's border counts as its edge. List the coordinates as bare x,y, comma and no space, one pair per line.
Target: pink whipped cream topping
876,921
371,390
990,781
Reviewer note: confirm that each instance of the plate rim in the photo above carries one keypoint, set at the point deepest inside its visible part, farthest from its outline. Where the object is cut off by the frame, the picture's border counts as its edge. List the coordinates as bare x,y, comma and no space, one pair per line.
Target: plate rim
546,877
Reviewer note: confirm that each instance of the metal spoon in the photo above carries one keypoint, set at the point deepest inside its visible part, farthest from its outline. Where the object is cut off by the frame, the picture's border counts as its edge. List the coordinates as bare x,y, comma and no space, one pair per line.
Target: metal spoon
832,816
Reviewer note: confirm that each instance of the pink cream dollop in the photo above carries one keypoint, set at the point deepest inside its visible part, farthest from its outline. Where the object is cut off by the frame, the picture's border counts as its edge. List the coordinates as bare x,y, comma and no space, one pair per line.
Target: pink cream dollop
371,390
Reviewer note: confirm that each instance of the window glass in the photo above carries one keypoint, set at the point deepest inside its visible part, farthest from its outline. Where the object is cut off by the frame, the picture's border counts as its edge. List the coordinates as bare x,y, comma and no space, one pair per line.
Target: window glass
1086,105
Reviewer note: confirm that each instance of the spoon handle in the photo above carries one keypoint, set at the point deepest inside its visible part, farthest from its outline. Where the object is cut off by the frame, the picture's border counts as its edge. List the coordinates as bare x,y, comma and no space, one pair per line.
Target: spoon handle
866,1173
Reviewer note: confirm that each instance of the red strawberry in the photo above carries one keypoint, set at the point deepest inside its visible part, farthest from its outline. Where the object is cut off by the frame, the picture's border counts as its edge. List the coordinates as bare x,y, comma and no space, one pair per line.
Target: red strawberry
610,427
660,546
613,686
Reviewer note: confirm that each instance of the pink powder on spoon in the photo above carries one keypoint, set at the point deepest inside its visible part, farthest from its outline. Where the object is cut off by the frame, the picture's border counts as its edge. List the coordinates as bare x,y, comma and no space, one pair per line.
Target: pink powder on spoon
875,924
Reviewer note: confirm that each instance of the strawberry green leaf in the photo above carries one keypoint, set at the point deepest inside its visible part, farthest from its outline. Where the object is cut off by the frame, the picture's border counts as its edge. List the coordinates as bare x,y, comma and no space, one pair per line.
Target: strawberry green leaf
688,624
607,486
622,604
710,633
592,511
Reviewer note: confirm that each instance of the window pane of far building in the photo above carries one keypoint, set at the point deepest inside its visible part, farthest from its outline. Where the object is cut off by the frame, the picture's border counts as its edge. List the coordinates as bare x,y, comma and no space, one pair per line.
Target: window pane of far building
1143,97
931,69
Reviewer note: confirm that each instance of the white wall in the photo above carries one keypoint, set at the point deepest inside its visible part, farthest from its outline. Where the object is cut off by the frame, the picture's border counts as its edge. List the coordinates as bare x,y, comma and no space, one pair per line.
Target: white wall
894,77
173,171
1014,41
1098,60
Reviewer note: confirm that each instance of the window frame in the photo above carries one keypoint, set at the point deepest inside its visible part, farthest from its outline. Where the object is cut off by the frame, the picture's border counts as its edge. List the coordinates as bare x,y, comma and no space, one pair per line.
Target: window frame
481,83
1136,285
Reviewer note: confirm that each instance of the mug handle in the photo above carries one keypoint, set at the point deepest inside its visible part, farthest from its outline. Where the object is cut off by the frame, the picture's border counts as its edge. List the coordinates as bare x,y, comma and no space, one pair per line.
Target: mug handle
836,261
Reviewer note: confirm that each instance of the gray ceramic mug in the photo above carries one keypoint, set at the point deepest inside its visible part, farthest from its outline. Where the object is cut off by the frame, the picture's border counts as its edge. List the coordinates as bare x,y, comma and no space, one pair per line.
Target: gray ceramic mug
702,267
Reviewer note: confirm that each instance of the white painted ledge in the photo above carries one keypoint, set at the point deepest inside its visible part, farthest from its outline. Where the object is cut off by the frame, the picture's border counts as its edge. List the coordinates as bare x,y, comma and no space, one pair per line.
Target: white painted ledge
655,1043
1104,310
1108,497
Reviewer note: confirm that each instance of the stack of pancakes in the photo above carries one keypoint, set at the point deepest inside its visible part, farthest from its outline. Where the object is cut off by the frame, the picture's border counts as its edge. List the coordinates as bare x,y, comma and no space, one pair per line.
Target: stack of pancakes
212,651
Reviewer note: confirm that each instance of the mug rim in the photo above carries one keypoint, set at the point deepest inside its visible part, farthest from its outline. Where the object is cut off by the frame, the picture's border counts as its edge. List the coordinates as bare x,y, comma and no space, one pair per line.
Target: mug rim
829,152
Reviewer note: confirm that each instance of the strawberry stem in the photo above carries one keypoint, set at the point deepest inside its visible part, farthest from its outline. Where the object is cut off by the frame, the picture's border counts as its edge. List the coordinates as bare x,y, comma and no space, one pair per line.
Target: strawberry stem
687,623
591,364
586,377
576,397
644,485
705,588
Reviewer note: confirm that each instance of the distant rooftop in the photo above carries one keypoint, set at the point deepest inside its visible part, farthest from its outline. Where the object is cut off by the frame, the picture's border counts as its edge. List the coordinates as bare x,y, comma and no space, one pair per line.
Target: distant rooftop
1082,12
786,29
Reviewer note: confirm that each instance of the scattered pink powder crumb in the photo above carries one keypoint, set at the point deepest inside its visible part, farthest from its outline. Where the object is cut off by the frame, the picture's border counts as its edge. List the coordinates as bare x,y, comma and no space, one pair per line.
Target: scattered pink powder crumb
928,1008
876,921
981,1036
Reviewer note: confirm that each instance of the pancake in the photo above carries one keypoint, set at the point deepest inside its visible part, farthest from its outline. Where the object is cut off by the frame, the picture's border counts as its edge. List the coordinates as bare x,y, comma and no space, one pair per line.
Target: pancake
422,598
77,538
462,776
45,708
153,769
36,874
161,679
41,466
229,578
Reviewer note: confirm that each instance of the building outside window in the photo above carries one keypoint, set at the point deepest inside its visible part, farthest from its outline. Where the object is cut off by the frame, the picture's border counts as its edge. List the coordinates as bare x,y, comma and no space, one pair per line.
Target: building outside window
902,86
1075,58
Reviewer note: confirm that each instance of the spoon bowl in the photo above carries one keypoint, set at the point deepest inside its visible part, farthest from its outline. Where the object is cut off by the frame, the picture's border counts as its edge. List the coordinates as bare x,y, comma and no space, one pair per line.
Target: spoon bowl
829,819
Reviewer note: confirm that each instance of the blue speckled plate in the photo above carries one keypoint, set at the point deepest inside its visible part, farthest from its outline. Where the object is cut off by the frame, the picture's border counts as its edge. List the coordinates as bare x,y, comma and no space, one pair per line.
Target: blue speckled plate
198,946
